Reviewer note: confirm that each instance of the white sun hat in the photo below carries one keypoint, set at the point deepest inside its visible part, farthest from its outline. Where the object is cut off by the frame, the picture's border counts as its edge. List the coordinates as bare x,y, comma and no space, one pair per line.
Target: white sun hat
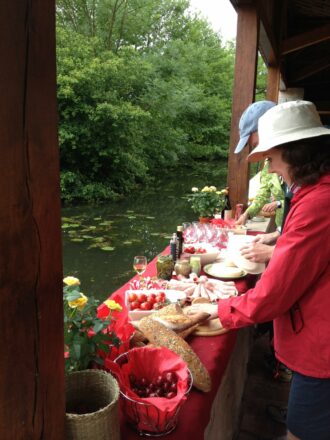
287,122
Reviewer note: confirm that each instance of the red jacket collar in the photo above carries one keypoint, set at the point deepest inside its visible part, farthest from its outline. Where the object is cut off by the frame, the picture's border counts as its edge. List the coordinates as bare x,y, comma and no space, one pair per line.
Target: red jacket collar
324,180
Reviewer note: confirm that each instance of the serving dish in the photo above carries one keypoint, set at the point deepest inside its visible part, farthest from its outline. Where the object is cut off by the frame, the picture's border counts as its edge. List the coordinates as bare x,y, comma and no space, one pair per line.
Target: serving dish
223,272
207,257
152,296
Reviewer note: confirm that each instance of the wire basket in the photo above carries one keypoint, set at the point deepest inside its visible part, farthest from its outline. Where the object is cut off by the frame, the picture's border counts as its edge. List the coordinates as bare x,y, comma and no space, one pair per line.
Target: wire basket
146,418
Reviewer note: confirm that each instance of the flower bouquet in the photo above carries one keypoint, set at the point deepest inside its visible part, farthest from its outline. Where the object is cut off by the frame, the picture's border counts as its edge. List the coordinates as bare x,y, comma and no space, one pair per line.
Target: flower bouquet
88,337
208,201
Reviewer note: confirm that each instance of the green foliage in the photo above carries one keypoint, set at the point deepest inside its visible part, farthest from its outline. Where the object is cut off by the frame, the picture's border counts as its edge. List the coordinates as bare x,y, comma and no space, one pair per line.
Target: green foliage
141,85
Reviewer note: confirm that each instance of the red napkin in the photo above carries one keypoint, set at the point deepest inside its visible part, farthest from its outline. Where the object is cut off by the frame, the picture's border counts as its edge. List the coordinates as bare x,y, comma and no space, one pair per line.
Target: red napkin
152,413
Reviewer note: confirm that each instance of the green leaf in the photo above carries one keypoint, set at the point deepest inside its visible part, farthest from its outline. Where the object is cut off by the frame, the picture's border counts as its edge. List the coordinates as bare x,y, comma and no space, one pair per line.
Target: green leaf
107,248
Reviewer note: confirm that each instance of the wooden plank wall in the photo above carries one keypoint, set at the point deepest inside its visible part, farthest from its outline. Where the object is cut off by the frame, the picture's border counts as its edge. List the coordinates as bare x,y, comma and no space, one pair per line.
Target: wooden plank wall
243,96
31,314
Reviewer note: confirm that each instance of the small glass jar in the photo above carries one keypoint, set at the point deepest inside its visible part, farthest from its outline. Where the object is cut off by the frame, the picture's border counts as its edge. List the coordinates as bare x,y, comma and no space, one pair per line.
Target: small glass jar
195,264
182,267
165,267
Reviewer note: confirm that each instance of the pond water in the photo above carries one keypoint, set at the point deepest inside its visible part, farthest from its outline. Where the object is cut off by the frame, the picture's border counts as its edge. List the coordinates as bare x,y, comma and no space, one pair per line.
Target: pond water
99,242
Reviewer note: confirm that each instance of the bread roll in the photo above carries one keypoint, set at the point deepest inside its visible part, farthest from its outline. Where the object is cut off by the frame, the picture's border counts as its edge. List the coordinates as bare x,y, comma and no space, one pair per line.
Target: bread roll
160,336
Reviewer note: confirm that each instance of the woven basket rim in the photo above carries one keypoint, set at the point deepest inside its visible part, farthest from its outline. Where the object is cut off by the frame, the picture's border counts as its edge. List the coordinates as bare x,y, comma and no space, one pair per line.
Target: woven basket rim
115,388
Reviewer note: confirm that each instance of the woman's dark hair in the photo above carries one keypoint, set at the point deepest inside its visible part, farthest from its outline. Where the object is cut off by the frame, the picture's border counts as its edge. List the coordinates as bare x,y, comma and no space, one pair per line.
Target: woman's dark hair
309,159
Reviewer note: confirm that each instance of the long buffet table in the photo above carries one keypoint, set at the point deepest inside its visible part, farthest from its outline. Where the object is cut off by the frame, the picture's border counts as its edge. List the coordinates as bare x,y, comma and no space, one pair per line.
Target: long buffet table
213,415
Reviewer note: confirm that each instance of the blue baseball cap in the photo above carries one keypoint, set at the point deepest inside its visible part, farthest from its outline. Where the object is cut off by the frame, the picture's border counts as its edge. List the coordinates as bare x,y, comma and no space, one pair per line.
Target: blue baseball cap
248,123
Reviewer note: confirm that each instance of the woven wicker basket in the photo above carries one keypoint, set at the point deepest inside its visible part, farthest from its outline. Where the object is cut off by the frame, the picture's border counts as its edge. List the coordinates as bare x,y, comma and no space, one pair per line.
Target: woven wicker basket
92,406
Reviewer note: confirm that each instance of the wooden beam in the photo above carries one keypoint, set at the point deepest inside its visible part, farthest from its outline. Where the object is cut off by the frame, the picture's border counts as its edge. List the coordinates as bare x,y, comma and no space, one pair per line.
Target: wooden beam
243,96
310,69
306,39
273,83
31,306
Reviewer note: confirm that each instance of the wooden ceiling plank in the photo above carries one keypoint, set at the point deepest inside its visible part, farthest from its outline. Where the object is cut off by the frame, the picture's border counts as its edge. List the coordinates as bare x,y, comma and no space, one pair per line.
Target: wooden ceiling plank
310,69
306,39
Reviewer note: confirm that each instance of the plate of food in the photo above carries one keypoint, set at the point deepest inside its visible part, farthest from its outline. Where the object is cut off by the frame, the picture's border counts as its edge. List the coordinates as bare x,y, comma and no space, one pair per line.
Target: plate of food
143,302
207,253
224,272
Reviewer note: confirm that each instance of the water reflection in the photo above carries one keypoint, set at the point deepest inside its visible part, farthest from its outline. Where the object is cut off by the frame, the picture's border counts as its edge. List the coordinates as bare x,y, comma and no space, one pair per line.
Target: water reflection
99,242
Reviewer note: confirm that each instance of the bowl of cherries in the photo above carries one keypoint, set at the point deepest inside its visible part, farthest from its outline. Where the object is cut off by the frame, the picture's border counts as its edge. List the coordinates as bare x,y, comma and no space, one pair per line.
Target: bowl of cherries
153,390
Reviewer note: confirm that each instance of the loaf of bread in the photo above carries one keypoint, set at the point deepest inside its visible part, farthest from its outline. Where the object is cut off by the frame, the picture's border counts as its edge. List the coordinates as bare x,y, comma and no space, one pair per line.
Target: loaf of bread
181,322
161,336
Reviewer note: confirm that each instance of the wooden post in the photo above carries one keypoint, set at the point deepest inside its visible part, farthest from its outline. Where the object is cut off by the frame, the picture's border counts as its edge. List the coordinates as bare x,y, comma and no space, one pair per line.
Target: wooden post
243,96
273,83
31,305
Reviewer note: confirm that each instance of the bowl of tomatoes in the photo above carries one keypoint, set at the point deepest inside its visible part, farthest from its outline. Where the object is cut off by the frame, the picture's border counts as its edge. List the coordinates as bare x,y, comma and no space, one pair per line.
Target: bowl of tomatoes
207,253
141,303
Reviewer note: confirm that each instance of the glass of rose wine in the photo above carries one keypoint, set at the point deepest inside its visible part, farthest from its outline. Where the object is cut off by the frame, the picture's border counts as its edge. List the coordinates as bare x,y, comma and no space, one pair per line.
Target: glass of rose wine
140,265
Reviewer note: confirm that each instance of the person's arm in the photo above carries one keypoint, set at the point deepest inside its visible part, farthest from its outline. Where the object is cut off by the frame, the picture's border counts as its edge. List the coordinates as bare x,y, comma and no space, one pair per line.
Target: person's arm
306,240
263,195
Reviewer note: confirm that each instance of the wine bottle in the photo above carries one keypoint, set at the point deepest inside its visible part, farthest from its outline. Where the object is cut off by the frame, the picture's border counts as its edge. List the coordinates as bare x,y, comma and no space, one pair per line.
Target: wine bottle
227,212
174,246
179,234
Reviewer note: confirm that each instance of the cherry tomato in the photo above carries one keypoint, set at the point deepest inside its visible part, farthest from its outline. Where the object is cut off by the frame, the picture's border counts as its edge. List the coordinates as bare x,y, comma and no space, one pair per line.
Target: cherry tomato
159,299
146,305
152,298
134,305
142,298
132,297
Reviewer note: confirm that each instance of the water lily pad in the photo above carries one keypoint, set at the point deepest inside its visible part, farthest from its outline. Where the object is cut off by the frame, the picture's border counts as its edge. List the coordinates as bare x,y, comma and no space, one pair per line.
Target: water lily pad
77,240
106,223
87,237
97,218
107,248
127,242
149,217
99,239
155,234
131,217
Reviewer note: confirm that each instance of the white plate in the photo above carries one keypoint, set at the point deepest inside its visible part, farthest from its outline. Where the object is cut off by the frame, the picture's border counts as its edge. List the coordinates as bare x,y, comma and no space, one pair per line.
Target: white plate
221,271
235,242
258,219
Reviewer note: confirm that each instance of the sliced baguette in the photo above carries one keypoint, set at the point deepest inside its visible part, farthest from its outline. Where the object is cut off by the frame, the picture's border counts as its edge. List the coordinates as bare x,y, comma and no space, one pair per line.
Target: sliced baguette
161,336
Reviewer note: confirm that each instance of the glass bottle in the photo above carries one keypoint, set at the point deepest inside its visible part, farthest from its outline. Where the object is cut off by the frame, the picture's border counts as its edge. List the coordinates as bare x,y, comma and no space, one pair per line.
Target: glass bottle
165,266
179,234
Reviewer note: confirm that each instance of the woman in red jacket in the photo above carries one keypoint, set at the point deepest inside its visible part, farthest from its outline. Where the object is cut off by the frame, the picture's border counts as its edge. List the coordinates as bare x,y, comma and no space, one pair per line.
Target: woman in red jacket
294,290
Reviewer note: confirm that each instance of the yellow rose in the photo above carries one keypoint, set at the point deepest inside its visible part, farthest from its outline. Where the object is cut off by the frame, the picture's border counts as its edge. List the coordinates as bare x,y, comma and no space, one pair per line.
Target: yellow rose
78,303
219,193
194,189
224,192
113,305
213,188
206,189
71,281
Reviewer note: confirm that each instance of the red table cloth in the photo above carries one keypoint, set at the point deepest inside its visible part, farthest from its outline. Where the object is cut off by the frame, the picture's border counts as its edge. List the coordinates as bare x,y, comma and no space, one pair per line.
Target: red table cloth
214,352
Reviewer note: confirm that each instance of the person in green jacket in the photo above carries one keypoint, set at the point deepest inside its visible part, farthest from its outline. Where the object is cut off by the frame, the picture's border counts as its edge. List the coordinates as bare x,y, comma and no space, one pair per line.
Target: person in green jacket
270,196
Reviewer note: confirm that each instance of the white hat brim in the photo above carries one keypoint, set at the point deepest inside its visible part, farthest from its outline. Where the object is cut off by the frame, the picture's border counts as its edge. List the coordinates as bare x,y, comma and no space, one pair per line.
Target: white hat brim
258,153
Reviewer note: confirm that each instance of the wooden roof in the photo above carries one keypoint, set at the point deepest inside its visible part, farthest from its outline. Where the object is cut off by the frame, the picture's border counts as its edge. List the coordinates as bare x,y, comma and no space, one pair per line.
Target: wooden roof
295,36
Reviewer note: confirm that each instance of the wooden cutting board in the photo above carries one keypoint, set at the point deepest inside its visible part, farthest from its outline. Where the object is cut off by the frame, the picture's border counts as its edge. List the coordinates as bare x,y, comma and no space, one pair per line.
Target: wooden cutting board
209,328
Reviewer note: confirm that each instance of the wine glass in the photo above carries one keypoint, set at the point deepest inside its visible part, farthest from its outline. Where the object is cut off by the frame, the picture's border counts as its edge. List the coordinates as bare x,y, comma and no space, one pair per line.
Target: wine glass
140,265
